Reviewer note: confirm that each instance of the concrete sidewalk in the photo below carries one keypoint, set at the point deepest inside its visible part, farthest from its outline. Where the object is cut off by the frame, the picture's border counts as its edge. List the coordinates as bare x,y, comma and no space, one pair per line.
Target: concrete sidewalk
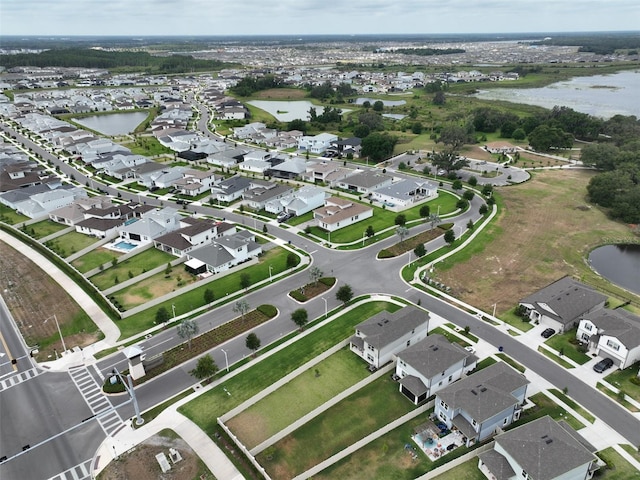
104,323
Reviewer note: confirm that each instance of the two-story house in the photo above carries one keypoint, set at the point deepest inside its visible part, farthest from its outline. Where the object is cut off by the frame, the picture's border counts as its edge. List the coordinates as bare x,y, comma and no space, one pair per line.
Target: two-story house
193,232
428,366
223,253
542,449
612,333
378,339
482,403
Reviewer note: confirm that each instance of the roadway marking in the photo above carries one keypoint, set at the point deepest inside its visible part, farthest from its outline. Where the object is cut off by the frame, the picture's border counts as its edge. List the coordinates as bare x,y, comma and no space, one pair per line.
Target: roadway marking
82,471
18,378
6,349
108,418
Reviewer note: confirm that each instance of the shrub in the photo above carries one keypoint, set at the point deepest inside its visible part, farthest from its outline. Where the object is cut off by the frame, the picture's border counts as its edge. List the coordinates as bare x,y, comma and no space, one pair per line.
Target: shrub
384,253
268,310
328,281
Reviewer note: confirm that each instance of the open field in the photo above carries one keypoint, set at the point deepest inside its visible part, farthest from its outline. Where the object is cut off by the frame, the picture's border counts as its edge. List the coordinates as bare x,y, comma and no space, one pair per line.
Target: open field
281,94
544,231
132,267
298,397
33,297
152,287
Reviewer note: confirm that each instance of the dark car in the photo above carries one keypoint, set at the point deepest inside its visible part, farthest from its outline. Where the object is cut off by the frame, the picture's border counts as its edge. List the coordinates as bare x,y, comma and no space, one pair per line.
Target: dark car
548,332
603,365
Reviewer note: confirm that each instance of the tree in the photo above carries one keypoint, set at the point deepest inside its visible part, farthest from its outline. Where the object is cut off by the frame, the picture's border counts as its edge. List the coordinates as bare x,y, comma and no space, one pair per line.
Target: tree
401,220
245,280
470,224
468,195
209,296
253,343
300,317
449,236
420,251
378,146
425,210
378,105
315,274
292,260
483,209
519,134
439,98
344,293
264,228
369,232
434,220
162,315
453,136
457,184
473,181
187,329
297,124
402,232
600,155
544,138
241,307
449,160
487,190
205,368
462,204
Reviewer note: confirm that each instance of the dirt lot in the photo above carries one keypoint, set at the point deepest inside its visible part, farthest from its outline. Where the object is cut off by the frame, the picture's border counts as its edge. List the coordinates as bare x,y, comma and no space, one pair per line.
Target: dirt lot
281,94
544,232
33,297
141,464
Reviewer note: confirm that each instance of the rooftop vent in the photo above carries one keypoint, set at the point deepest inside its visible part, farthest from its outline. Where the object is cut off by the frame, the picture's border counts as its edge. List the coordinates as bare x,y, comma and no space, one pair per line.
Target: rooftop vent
474,392
548,441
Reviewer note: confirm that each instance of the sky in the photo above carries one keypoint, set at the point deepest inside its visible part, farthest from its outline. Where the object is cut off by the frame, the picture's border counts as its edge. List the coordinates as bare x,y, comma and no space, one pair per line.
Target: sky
299,17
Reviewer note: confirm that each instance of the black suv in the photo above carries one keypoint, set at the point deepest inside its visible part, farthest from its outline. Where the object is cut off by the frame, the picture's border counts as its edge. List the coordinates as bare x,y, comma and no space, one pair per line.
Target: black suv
603,365
548,332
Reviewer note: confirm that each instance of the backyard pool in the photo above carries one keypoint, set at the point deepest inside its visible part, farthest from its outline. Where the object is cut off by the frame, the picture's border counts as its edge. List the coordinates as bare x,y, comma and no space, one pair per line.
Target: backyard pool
123,246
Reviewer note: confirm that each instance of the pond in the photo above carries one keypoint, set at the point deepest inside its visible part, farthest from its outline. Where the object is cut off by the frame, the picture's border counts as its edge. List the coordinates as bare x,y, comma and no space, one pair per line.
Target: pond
618,263
599,95
286,111
113,123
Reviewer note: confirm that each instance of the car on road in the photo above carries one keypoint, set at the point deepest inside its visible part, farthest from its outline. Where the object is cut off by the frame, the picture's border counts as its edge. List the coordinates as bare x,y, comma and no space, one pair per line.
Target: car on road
548,332
470,349
603,365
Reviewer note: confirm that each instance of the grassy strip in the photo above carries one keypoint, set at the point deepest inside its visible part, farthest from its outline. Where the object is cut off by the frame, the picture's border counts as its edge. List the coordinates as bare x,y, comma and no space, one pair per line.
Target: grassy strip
617,468
617,397
205,409
450,336
586,415
626,380
545,406
507,359
555,358
158,409
633,451
464,332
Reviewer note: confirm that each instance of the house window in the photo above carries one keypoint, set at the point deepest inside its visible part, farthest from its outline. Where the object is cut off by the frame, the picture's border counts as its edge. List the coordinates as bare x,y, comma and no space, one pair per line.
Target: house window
444,405
450,378
402,364
474,423
370,358
408,342
506,420
613,345
587,326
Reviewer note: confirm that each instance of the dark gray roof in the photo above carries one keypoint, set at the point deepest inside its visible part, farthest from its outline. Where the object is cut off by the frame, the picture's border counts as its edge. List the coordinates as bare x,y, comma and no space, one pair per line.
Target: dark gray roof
433,355
384,328
232,184
567,298
367,179
485,393
618,323
544,449
497,465
101,224
414,385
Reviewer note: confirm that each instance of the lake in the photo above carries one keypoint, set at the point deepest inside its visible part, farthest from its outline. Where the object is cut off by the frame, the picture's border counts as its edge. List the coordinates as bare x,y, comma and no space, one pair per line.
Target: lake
113,123
286,111
599,95
618,263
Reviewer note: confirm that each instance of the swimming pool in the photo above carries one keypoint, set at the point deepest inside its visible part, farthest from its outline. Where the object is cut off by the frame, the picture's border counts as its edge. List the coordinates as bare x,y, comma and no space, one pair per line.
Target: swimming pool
126,246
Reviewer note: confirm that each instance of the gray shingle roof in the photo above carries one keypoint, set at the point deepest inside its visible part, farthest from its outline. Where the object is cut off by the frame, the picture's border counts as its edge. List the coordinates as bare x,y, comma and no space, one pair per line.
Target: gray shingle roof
433,355
384,328
544,449
623,325
485,393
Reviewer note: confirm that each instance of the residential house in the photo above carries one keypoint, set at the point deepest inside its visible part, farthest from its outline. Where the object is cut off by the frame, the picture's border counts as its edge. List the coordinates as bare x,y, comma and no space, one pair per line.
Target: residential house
103,220
289,169
223,253
254,166
328,173
298,202
428,366
338,213
612,333
227,158
562,304
318,143
542,449
193,232
365,181
406,193
262,192
351,145
74,213
153,224
231,189
21,174
38,200
380,338
196,182
482,403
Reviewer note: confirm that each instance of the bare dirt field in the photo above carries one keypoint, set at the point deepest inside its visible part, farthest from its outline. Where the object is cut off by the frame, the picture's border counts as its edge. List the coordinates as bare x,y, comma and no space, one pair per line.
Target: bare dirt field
281,94
33,297
544,232
141,464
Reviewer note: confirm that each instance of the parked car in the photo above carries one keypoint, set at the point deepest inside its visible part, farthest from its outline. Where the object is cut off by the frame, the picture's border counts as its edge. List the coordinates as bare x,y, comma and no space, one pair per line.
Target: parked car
603,365
285,217
548,332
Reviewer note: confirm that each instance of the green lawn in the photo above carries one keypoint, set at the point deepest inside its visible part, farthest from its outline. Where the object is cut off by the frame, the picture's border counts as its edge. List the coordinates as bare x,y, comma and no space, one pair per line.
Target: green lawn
617,467
545,406
298,397
206,408
555,358
70,243
586,415
362,413
450,336
627,380
132,267
515,321
94,259
466,471
462,332
230,284
617,398
45,228
507,359
567,344
10,216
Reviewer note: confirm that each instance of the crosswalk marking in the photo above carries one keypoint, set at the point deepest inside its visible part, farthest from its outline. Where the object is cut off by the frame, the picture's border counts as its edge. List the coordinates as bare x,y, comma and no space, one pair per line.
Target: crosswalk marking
108,418
18,378
81,471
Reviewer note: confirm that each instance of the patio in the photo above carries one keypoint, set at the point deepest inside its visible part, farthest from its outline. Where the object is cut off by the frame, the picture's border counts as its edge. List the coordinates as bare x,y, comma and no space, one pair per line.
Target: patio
427,437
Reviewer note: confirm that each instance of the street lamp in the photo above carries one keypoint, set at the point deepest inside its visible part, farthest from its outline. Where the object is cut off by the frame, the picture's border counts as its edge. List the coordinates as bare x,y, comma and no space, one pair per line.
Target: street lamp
128,386
325,307
173,308
226,359
363,235
494,310
270,277
438,214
